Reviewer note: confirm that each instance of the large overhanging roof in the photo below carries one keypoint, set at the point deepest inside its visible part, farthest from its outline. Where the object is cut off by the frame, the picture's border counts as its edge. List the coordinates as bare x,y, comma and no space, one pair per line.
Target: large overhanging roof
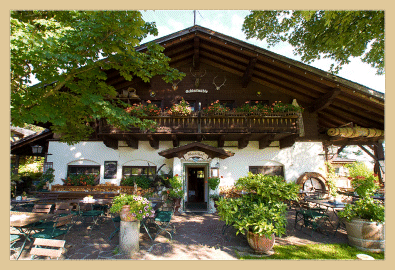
211,151
337,101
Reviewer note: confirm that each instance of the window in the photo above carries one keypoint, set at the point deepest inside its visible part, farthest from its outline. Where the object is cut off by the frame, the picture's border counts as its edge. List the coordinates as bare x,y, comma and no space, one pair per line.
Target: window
227,103
83,169
158,103
192,104
139,170
271,170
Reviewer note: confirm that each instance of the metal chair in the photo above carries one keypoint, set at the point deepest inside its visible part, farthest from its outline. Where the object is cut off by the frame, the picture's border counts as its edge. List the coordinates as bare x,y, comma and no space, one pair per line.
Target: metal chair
87,212
63,208
60,226
163,222
306,216
47,248
116,222
14,238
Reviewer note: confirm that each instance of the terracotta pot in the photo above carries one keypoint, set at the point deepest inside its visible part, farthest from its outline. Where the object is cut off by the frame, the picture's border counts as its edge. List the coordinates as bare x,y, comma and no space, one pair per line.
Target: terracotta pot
125,214
261,244
177,205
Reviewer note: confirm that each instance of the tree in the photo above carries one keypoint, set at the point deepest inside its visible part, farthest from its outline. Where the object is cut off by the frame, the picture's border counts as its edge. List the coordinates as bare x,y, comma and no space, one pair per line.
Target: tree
69,52
337,35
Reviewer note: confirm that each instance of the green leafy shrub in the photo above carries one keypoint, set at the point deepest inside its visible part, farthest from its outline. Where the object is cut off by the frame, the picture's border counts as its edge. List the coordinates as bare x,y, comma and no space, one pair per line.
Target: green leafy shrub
262,208
140,180
175,191
213,182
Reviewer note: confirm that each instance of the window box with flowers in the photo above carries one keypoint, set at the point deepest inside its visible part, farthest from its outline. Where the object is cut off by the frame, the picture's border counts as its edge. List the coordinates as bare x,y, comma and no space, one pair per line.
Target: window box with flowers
141,110
175,192
256,109
81,180
180,109
216,109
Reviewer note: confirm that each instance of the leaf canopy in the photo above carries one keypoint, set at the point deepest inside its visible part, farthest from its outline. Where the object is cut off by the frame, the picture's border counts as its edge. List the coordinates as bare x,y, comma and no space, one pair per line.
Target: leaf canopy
336,34
69,52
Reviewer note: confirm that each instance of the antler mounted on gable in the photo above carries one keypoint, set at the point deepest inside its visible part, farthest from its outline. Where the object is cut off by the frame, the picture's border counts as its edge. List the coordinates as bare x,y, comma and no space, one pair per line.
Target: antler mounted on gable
218,87
197,81
174,86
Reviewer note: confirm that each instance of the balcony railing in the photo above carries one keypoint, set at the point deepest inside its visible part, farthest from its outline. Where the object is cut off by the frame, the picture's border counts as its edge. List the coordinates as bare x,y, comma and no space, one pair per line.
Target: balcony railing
227,123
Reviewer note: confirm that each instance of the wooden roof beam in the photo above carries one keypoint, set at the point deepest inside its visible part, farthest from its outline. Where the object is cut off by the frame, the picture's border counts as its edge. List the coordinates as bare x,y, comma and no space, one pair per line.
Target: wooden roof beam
176,140
324,101
265,141
153,141
243,141
110,142
288,141
221,141
131,142
248,73
196,50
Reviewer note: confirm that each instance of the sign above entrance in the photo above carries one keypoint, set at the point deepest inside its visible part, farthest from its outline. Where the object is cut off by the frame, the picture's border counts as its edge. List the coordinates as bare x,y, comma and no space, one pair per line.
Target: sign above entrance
196,156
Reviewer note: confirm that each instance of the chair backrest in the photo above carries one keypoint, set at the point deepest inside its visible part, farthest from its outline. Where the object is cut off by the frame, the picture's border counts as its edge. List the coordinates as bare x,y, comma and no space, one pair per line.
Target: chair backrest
42,208
63,208
65,220
47,248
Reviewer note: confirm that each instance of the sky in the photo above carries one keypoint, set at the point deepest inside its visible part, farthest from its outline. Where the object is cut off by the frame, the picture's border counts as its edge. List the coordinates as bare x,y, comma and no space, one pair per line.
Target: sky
229,22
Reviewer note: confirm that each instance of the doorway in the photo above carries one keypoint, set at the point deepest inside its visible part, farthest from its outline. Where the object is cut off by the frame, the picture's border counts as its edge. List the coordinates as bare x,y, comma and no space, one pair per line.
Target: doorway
196,192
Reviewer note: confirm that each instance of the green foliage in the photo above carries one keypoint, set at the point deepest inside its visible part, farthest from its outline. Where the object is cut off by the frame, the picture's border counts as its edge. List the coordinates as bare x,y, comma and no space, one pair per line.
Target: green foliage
139,207
335,34
331,179
175,191
262,209
314,252
140,180
277,106
140,110
45,178
80,180
365,184
213,182
69,52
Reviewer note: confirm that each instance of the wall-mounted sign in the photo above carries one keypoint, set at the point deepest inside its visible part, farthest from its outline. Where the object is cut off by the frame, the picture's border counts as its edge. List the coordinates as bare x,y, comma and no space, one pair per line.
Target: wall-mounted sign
110,169
196,91
196,156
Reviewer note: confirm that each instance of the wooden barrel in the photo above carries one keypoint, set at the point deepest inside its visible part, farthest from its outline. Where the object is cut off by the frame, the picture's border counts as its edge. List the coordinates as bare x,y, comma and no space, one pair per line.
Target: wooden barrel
366,235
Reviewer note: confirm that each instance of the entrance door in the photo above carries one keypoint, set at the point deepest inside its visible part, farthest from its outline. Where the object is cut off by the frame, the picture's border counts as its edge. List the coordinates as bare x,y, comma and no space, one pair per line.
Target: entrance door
196,191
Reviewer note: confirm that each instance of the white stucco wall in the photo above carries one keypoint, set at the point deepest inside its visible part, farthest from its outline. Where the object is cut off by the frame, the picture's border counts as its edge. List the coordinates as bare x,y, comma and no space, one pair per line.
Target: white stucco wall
301,157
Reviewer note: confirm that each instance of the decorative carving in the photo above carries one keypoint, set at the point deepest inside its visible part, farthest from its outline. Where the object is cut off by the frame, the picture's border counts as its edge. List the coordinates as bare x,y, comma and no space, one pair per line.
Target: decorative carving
196,156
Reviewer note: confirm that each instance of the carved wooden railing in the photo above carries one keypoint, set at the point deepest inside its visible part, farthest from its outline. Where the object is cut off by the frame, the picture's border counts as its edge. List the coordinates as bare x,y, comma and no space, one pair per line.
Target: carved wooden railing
226,123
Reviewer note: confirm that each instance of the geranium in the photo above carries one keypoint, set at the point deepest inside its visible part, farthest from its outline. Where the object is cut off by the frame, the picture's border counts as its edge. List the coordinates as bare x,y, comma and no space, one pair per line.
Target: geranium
175,190
216,107
80,180
141,110
181,109
139,207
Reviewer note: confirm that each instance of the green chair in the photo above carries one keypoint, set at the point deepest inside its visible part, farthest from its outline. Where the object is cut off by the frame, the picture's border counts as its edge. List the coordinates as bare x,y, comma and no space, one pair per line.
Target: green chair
87,212
14,238
163,222
115,221
61,226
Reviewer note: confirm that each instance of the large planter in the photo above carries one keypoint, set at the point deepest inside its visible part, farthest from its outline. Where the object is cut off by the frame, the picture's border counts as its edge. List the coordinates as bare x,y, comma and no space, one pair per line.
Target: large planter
125,214
261,244
366,235
177,205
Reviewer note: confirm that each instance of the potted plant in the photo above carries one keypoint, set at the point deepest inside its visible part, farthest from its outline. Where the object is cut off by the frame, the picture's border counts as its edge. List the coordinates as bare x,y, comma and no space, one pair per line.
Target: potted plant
131,207
215,198
213,182
216,109
181,109
261,211
24,196
364,219
175,192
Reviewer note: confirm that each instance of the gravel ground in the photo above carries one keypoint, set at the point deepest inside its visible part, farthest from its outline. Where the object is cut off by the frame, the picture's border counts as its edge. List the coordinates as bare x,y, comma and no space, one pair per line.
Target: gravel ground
196,237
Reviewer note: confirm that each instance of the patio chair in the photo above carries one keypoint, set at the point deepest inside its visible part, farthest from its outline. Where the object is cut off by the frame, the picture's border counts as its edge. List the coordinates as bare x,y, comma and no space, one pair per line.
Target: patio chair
14,238
87,212
47,248
60,226
42,208
63,209
163,223
314,218
116,222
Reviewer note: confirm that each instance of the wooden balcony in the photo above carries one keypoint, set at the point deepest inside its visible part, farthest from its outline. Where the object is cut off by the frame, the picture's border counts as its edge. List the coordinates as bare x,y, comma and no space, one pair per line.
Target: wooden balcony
227,123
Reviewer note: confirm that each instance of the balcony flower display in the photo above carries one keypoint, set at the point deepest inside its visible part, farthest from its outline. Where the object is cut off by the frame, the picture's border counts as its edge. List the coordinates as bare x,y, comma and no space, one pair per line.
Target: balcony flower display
253,109
181,109
141,110
278,106
216,108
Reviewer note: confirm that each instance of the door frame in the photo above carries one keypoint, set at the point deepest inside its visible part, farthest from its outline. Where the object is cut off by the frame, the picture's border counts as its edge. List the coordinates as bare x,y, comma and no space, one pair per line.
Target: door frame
206,167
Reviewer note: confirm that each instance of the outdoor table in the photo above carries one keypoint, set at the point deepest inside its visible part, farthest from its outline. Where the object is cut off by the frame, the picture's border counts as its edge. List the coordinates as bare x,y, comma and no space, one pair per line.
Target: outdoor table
21,220
329,205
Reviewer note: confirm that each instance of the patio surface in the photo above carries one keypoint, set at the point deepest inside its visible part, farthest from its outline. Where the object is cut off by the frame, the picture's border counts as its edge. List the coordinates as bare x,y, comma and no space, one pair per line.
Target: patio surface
197,237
